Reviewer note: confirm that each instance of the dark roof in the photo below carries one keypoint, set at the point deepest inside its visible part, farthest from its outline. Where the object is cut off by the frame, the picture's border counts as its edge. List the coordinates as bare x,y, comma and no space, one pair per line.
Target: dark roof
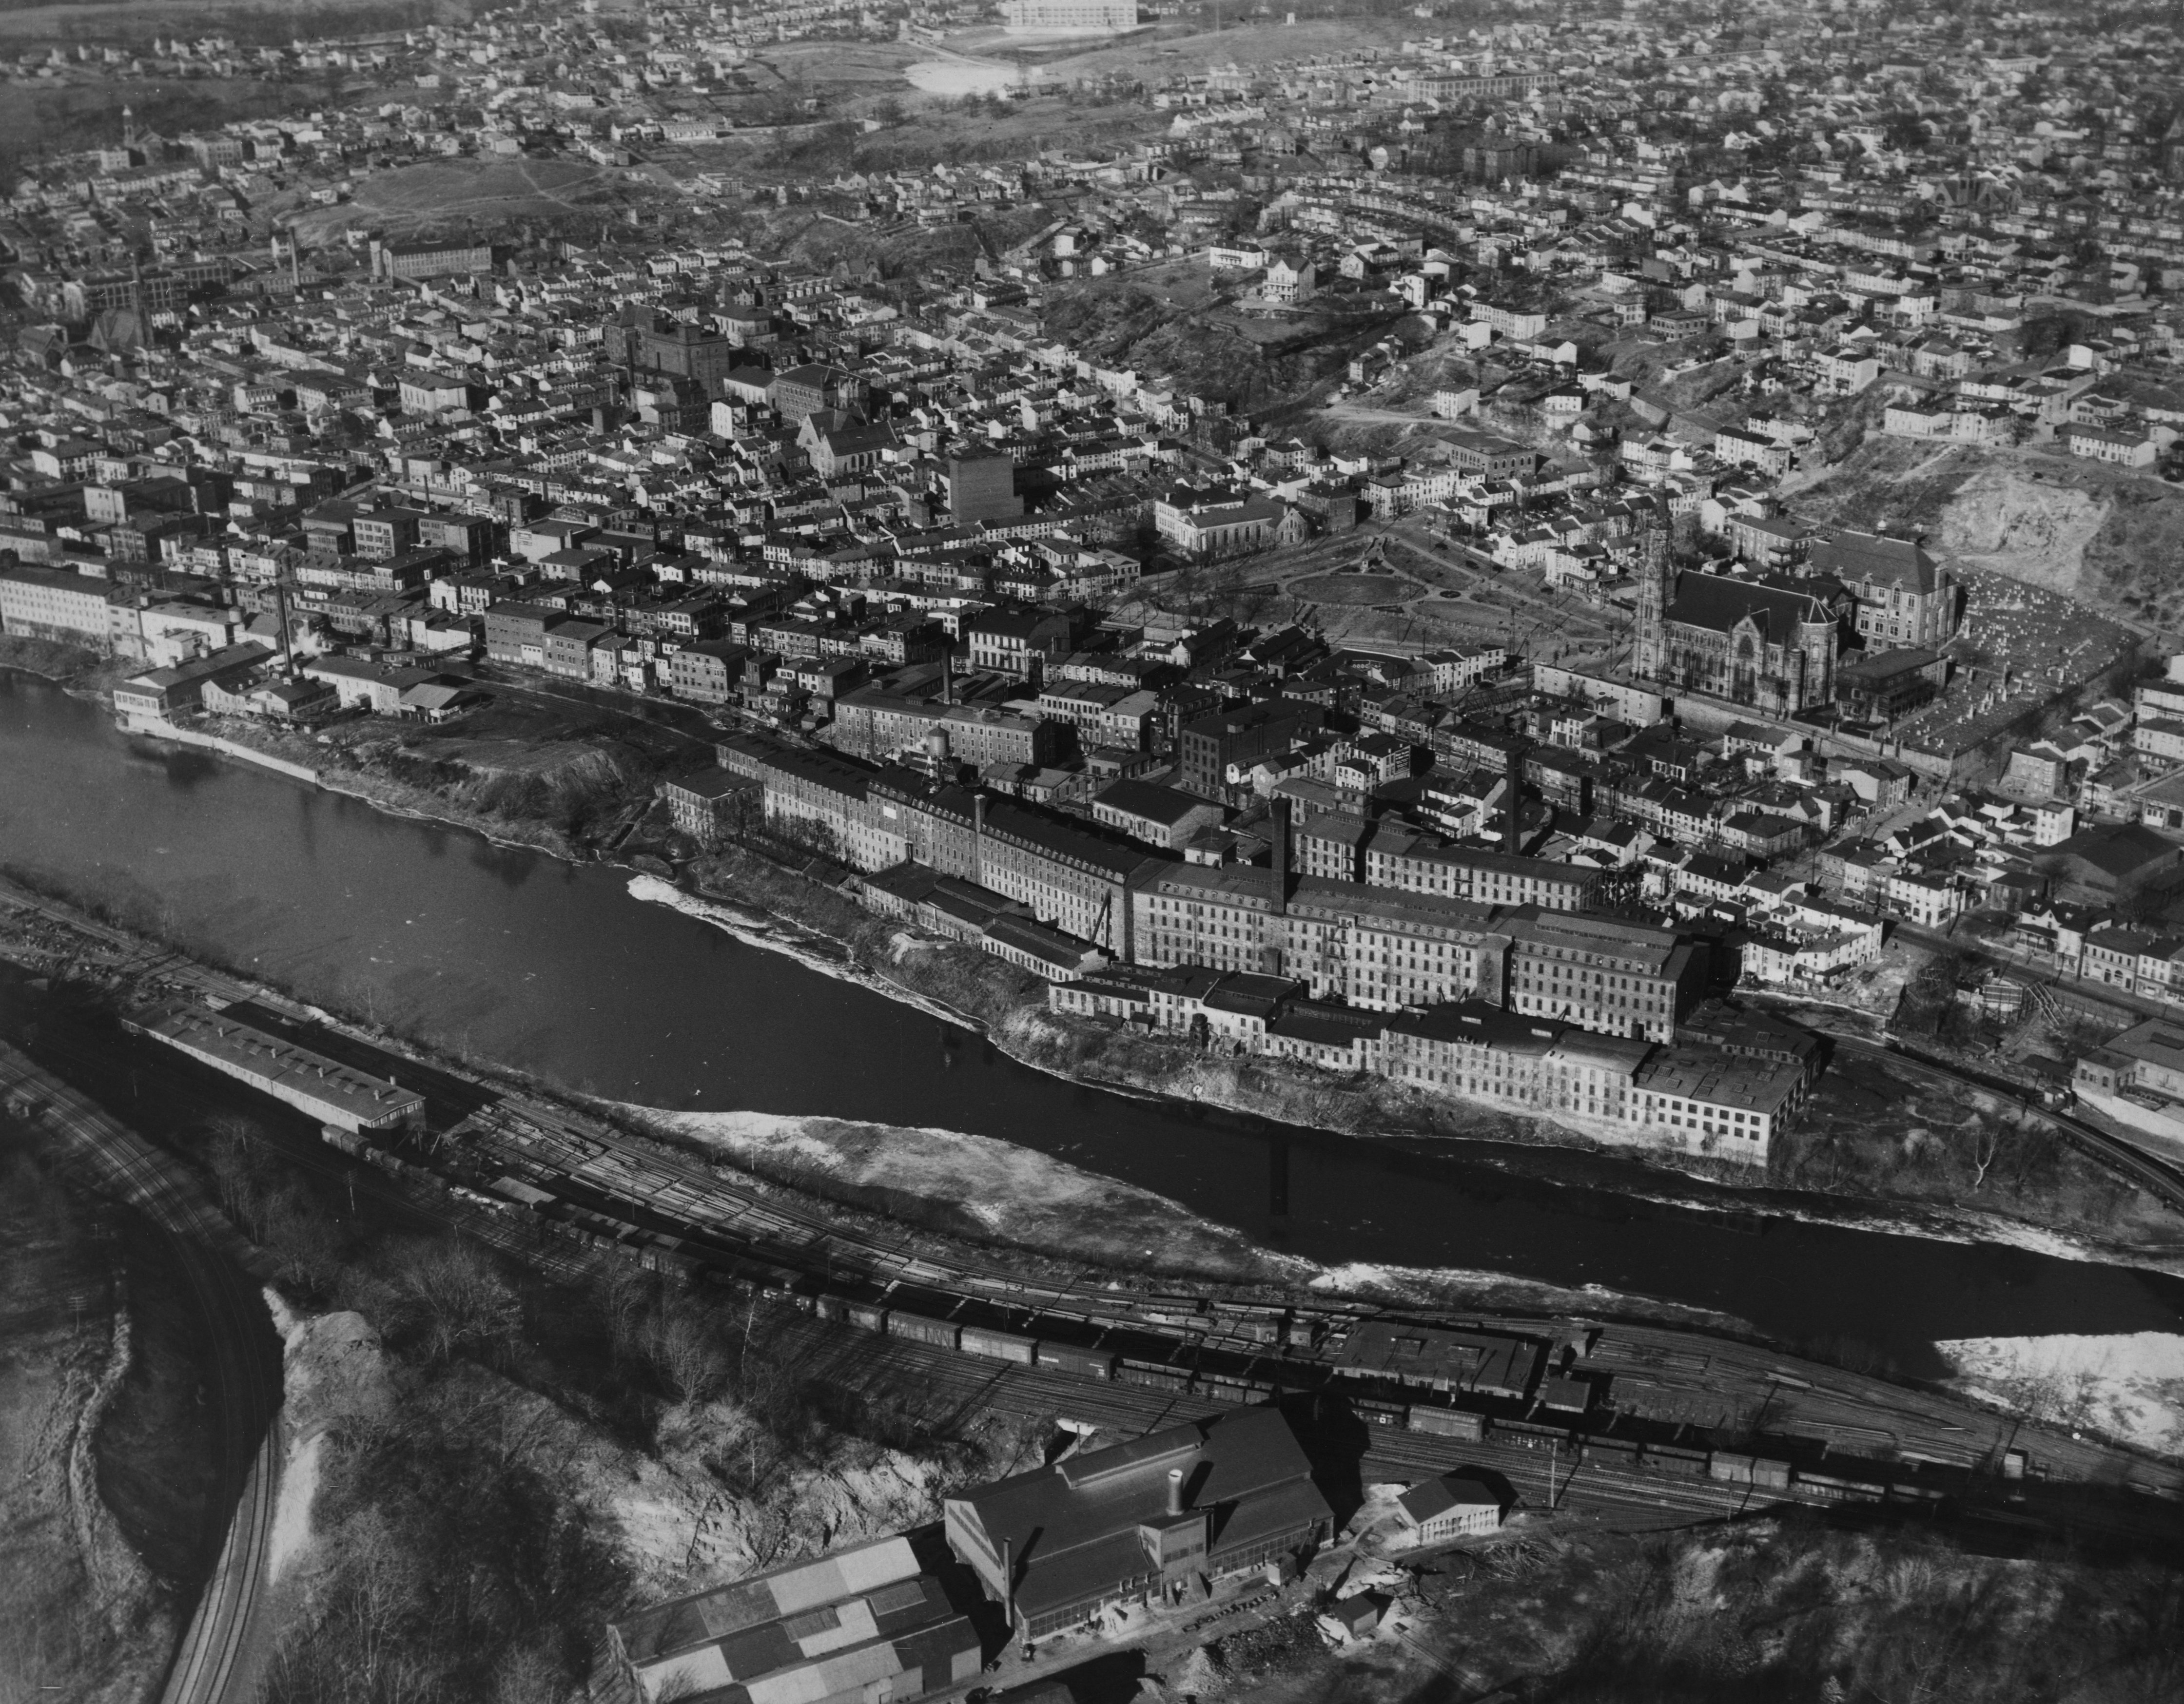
2114,851
1149,799
1118,859
1887,666
1897,562
1718,602
1073,1528
1336,1025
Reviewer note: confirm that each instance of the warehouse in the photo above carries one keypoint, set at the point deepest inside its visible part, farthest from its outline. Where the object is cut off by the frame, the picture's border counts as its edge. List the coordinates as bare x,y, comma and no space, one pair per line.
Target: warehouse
1159,1522
321,1088
1452,1506
871,1622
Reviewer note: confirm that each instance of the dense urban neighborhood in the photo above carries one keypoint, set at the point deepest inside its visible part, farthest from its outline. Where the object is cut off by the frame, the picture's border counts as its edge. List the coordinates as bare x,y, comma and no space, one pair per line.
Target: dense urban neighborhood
1596,579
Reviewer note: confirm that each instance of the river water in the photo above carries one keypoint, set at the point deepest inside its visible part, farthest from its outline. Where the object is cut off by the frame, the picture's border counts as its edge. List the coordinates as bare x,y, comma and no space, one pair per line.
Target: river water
556,969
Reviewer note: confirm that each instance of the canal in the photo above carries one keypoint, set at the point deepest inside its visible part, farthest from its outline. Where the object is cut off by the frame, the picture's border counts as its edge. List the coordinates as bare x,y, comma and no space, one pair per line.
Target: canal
555,969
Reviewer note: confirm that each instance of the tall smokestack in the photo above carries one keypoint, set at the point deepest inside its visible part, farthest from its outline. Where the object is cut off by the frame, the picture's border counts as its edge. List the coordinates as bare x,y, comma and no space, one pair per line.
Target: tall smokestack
1281,854
1175,1491
948,675
1008,1585
1514,805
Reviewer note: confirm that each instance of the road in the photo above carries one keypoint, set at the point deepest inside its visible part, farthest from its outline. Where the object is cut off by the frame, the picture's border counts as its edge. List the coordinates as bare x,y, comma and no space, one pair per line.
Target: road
1583,621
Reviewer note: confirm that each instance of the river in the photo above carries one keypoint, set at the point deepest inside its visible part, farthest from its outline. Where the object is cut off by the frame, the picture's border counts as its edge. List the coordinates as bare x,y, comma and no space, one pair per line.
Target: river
555,969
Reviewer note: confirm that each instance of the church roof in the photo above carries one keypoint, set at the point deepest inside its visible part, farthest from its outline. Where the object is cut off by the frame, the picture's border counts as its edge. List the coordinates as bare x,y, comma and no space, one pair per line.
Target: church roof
1718,602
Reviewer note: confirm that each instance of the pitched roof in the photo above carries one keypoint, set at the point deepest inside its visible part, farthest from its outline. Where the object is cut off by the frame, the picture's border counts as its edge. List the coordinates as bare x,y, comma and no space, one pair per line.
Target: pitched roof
1718,602
1896,562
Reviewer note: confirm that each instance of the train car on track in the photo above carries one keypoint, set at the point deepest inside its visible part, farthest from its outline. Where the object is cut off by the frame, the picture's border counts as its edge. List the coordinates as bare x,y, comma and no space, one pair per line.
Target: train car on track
1829,1488
941,1333
999,1345
1085,1363
1530,1434
1677,1463
1447,1422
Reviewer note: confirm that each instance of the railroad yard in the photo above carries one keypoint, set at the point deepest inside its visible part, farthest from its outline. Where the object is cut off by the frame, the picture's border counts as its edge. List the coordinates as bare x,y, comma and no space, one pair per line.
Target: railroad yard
1591,1420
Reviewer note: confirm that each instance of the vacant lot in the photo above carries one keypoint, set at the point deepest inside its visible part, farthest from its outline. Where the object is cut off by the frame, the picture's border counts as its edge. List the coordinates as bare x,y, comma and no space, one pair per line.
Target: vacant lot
501,187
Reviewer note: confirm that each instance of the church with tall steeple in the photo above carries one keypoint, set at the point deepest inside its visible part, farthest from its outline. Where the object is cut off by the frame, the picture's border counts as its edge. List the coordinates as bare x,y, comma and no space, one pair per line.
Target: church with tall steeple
1771,642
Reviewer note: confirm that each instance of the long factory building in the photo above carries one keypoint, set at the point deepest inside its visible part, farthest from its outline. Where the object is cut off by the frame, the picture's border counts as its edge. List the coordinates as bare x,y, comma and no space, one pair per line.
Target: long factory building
321,1087
1704,1100
1542,1009
1380,947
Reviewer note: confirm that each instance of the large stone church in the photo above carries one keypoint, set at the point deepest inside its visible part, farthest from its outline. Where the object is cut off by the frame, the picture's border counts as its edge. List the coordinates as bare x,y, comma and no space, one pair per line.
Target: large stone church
1769,642
1774,641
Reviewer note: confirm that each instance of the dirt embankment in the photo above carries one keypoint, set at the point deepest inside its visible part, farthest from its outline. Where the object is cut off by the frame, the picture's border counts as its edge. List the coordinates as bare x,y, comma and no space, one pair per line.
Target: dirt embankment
82,1617
46,660
565,780
2107,537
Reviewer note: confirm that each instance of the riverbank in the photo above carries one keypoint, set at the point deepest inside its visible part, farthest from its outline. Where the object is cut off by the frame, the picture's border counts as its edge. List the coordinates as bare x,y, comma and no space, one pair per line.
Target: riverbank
825,929
1917,1180
946,1194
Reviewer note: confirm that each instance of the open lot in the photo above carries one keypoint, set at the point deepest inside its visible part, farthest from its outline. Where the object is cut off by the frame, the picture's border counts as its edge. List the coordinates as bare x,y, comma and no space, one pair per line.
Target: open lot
500,186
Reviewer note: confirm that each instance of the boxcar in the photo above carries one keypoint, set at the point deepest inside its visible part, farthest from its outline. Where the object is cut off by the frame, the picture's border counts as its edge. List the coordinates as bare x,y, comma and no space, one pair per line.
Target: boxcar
1527,1434
1447,1422
1001,1346
1086,1363
1684,1464
942,1333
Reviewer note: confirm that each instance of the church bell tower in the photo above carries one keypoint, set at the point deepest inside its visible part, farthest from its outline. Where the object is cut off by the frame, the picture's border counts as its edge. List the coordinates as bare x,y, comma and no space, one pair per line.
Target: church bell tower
1648,656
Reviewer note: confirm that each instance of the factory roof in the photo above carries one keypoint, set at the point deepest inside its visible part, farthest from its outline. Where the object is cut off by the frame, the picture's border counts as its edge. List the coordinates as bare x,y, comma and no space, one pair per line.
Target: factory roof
281,1065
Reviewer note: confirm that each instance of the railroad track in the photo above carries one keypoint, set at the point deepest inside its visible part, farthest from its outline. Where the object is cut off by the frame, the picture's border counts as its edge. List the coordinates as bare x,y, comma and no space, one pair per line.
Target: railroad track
2163,1180
630,1175
210,1663
218,1265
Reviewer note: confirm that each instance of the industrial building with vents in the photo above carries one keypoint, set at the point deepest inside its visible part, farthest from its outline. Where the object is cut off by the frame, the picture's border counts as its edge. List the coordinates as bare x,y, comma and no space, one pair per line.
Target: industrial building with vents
1161,1521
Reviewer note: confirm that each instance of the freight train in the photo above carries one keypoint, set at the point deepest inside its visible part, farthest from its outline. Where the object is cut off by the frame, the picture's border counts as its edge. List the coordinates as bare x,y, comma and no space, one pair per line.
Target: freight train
1130,1354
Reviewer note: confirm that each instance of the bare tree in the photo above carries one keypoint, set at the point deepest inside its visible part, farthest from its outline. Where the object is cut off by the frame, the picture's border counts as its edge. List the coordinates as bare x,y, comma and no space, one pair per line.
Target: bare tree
623,1292
457,1301
1987,1145
686,1351
237,1171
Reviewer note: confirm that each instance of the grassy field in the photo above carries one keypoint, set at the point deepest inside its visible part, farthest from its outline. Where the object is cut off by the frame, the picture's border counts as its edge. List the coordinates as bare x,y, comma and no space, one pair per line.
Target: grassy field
249,21
1180,51
37,120
486,187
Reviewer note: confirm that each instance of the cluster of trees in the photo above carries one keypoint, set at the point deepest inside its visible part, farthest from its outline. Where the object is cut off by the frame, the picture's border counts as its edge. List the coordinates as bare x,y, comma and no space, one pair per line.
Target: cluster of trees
463,1556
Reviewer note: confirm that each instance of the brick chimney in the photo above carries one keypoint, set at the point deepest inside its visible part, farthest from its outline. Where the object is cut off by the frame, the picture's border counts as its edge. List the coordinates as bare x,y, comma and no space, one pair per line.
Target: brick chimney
1175,1491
